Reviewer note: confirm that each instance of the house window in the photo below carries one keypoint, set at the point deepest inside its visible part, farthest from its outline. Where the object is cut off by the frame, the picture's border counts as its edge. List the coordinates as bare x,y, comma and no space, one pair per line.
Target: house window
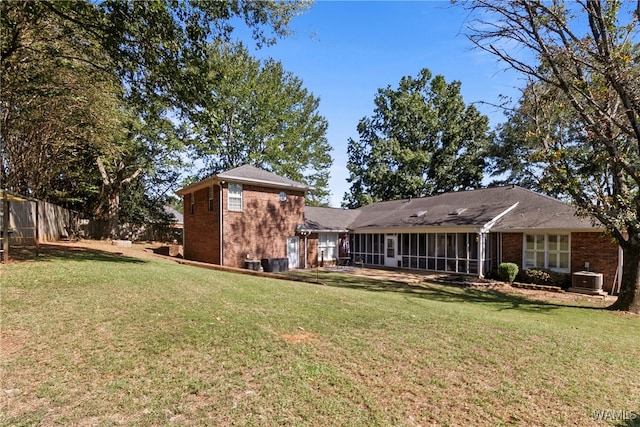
192,203
328,242
235,197
549,251
210,205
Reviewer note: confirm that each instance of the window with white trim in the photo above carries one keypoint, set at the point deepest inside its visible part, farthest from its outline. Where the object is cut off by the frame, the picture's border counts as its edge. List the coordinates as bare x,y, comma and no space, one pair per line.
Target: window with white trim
550,251
328,243
235,197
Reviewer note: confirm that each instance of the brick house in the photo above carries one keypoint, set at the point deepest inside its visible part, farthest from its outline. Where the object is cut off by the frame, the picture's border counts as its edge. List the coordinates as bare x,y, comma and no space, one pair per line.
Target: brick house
243,214
257,215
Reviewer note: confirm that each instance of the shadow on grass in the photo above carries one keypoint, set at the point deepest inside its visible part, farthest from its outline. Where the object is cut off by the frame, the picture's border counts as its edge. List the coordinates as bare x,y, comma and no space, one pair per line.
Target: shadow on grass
633,421
52,252
443,292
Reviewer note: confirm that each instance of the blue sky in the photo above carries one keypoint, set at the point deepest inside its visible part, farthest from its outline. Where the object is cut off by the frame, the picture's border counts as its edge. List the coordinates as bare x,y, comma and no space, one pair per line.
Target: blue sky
344,51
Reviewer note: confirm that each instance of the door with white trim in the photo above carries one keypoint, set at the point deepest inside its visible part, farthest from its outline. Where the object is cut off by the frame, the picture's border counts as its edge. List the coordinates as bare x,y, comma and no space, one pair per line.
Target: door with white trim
293,251
391,250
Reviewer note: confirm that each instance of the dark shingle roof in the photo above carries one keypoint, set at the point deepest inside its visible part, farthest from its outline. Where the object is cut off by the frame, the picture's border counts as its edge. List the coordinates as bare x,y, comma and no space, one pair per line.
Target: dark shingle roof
179,218
328,219
537,211
248,175
252,174
511,208
499,208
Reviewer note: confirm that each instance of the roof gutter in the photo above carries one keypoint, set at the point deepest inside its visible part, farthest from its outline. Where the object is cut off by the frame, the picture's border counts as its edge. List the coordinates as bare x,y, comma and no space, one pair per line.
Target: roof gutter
216,179
270,184
324,230
198,185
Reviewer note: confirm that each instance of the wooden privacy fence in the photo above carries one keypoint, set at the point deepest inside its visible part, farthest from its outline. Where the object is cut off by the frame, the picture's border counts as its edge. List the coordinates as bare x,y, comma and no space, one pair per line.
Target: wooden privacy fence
32,221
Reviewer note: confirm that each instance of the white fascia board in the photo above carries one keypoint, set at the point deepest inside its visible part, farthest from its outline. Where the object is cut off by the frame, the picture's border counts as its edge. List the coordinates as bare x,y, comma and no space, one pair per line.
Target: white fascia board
550,230
265,183
197,186
215,180
413,230
315,230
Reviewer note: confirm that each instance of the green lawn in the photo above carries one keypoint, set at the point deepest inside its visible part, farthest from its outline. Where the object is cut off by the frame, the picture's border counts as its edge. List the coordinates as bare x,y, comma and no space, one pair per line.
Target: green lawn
92,338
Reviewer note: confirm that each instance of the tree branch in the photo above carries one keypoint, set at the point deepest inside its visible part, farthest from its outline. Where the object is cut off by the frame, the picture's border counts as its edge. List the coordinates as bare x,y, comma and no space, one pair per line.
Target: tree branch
103,172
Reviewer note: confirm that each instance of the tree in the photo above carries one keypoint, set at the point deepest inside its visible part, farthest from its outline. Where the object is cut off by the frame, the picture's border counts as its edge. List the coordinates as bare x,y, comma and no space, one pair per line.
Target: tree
422,140
57,112
518,154
585,57
151,50
259,114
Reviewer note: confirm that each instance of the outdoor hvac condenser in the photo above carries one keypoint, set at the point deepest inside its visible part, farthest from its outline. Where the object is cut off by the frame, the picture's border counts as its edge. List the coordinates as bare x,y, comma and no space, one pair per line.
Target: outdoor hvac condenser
587,282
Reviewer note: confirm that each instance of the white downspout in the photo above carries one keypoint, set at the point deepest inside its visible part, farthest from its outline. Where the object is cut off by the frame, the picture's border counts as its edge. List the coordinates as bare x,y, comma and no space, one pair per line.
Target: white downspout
184,210
481,237
484,231
305,251
221,226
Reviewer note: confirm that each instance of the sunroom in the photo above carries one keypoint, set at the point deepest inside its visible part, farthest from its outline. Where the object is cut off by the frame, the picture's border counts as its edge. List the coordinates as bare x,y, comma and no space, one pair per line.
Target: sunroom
465,252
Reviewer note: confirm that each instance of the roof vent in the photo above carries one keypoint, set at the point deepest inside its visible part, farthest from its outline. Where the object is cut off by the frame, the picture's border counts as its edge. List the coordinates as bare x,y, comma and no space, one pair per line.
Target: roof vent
419,214
458,211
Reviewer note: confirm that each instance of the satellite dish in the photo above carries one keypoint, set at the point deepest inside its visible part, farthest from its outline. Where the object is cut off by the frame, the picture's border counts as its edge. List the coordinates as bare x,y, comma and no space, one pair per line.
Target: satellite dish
282,196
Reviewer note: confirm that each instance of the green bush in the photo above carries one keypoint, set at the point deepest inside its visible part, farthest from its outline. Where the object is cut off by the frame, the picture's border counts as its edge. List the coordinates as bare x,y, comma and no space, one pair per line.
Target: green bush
540,276
508,271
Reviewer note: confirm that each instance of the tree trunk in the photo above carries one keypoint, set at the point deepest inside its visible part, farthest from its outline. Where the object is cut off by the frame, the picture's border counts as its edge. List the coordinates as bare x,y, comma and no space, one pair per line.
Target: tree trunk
629,297
114,213
113,188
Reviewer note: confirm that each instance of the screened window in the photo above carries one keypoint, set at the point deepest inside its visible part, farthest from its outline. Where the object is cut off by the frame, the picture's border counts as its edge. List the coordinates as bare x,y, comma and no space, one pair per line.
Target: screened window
457,252
370,248
547,251
235,197
328,243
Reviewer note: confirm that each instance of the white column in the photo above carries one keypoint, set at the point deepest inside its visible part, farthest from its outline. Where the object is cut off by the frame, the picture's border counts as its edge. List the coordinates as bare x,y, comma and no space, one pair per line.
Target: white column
481,238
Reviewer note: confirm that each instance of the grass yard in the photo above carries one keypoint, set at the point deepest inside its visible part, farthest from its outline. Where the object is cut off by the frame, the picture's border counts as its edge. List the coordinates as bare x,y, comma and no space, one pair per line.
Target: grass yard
92,338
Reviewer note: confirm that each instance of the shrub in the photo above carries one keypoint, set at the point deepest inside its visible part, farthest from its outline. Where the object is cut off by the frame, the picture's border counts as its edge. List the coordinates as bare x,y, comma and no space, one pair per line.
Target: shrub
539,276
508,271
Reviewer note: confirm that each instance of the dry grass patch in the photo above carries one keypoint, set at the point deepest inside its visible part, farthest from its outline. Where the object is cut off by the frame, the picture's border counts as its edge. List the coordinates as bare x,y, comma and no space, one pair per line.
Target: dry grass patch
300,337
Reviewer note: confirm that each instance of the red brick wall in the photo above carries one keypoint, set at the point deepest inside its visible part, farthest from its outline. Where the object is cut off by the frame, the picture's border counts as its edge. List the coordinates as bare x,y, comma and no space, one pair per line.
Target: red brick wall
201,228
493,252
599,251
262,227
312,250
512,249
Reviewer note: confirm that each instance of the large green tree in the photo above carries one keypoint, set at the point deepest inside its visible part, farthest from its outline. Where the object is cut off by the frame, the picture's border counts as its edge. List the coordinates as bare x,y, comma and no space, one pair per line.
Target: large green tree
538,125
58,111
151,51
256,113
422,140
583,58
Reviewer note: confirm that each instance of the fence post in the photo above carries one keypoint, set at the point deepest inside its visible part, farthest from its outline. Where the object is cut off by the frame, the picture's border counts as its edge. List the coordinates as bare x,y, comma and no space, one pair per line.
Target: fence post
5,227
36,231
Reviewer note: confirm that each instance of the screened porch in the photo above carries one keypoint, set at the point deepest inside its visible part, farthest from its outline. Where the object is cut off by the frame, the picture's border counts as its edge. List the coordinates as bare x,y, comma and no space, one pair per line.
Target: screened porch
442,252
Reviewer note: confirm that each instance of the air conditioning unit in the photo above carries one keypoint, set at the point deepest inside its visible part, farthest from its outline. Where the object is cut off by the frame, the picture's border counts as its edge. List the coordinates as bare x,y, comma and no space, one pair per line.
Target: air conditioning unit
587,282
